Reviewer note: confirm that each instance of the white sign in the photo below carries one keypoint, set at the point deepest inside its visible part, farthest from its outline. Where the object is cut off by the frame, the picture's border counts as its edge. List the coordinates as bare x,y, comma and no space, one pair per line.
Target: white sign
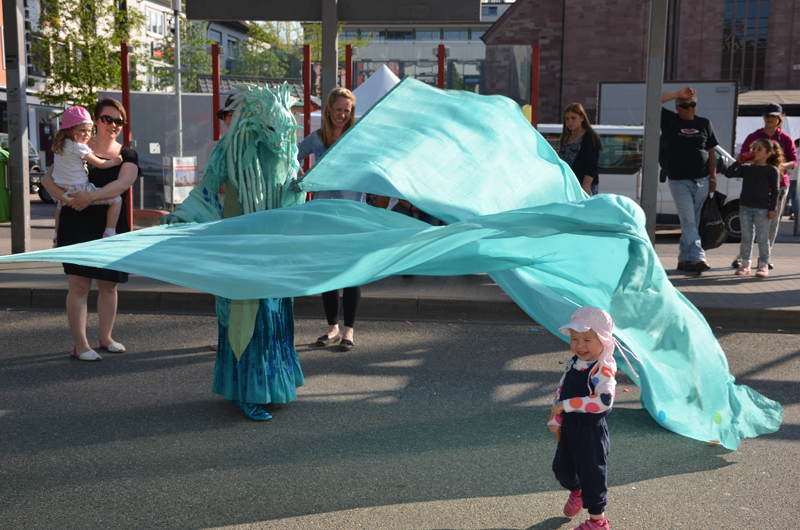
180,176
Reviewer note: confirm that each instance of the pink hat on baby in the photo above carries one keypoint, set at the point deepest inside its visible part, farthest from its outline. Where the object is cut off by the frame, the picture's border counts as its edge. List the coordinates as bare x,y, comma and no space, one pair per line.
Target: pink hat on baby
75,116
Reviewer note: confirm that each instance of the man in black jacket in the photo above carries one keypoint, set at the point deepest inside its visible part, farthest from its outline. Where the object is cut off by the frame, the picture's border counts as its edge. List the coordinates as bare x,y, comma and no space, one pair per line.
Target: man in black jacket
690,142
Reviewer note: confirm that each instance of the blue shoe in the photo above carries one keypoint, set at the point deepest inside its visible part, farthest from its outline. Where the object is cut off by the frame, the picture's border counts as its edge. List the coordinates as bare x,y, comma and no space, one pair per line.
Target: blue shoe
253,411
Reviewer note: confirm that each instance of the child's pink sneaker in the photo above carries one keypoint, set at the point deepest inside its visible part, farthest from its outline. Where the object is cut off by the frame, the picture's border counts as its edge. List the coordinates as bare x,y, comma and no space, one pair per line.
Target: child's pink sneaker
591,524
763,270
574,504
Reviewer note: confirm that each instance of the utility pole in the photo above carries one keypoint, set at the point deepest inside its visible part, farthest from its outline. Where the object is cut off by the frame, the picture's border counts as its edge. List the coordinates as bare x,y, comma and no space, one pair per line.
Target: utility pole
330,47
176,5
652,112
17,83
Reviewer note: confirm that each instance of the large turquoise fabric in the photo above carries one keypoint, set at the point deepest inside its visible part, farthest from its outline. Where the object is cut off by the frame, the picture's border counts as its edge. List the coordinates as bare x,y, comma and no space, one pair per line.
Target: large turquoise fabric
515,211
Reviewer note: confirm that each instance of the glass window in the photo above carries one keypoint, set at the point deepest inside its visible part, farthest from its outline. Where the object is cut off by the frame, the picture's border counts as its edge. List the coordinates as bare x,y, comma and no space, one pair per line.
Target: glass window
399,35
621,152
429,35
745,27
349,35
378,36
215,35
155,21
36,61
476,34
488,11
233,47
455,35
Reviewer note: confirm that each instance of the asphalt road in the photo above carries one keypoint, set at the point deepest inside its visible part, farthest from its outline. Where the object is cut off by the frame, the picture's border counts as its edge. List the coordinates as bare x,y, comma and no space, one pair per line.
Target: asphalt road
434,425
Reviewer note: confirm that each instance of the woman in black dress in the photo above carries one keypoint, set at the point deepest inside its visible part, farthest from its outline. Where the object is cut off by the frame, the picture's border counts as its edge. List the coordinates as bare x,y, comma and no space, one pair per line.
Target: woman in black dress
81,221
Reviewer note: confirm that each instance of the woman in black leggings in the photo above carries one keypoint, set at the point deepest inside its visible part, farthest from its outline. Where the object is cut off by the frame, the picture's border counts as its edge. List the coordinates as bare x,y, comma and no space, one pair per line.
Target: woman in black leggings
330,302
338,115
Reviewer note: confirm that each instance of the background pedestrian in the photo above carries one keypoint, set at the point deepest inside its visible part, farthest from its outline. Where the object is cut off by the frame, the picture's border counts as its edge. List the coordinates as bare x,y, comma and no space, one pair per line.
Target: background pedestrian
689,141
580,147
757,202
338,115
773,119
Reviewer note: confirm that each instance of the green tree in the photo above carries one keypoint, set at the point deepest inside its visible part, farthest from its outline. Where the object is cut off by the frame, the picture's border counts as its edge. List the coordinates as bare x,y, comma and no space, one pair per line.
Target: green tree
458,81
264,53
77,45
195,58
313,36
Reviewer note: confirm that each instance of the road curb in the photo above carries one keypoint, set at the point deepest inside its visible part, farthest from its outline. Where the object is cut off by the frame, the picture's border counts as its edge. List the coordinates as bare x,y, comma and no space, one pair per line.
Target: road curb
375,307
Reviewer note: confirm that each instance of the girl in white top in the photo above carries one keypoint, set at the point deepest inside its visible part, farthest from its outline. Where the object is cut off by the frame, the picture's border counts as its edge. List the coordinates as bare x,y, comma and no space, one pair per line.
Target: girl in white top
69,169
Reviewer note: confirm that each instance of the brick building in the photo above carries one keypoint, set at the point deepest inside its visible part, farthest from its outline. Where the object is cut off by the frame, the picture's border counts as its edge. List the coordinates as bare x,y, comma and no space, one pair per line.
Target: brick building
584,42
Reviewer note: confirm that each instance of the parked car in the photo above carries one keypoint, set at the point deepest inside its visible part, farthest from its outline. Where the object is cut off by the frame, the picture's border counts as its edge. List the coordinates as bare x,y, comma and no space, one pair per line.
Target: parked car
620,173
34,168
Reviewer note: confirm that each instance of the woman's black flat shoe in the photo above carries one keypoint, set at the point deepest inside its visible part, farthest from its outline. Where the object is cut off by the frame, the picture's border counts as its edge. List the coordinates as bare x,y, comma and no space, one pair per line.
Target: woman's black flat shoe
346,345
328,341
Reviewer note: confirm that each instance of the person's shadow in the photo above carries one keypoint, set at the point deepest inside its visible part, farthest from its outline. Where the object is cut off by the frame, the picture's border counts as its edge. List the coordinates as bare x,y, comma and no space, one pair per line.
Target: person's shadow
554,523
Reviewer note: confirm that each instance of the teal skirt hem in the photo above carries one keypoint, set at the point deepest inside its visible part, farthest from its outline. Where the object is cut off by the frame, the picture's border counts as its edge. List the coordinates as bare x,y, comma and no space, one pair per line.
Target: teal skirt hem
268,370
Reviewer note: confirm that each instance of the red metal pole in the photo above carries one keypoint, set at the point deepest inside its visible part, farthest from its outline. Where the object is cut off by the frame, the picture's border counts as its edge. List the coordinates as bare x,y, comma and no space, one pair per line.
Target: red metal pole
126,127
306,95
348,67
535,86
441,66
215,82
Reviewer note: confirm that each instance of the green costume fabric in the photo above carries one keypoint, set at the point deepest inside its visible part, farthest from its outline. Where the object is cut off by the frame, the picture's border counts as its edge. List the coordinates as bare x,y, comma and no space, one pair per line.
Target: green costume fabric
515,211
256,162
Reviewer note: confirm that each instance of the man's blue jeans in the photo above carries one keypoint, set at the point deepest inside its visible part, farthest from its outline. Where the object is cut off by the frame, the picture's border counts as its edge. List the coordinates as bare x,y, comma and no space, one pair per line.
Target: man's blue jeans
755,225
689,196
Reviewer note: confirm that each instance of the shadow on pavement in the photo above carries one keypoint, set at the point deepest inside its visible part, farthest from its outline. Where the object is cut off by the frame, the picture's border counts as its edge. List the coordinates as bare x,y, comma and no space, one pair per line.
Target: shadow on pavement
447,413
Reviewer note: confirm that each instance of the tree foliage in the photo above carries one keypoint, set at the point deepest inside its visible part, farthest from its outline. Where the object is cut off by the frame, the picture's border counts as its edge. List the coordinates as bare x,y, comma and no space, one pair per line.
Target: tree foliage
313,36
195,58
267,52
77,45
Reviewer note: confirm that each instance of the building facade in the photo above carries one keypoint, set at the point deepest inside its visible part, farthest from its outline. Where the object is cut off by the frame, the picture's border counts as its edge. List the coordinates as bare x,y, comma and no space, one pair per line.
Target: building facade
408,49
585,42
42,120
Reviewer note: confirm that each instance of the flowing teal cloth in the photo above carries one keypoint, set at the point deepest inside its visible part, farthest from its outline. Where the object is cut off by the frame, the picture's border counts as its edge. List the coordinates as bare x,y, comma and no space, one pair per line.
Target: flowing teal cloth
515,211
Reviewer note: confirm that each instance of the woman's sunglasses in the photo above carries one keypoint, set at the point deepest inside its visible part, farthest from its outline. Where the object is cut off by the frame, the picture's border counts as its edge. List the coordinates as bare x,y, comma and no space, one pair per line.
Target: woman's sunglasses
108,120
691,105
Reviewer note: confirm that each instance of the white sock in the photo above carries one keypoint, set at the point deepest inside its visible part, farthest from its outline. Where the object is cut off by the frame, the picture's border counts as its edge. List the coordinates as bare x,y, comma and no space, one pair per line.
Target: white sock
109,232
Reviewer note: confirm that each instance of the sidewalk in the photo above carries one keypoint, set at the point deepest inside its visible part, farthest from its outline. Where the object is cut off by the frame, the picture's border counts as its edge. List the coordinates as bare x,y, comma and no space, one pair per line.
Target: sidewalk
725,300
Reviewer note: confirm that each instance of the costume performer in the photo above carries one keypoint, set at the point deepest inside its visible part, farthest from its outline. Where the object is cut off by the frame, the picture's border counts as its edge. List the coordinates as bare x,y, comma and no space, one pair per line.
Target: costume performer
256,162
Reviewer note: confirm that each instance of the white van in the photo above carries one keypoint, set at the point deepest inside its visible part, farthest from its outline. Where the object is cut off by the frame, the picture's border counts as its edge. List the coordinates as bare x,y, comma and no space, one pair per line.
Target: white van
620,173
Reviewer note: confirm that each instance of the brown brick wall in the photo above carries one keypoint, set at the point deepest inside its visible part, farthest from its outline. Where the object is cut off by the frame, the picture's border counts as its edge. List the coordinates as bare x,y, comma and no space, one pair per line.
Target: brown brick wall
532,22
783,46
699,42
606,40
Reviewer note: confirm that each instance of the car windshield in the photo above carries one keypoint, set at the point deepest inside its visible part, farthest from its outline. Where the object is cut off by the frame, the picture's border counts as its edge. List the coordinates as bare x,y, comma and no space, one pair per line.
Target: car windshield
32,153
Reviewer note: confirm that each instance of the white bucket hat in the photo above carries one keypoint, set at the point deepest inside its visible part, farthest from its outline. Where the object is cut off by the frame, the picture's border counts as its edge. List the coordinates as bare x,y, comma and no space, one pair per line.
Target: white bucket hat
595,319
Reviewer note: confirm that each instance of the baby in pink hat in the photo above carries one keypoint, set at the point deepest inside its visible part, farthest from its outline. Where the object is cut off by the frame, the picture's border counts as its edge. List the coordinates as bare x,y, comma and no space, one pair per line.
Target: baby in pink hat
583,399
69,168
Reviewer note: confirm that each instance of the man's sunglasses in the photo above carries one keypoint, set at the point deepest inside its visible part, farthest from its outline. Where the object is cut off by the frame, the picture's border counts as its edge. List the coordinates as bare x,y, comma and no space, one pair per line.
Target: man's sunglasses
108,120
691,105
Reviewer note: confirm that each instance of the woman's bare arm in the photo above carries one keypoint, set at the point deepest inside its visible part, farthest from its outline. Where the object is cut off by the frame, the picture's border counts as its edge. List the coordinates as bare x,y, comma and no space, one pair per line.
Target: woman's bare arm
128,173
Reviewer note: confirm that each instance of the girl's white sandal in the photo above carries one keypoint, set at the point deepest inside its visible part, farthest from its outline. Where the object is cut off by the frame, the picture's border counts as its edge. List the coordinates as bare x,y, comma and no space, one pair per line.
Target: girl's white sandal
90,355
114,347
